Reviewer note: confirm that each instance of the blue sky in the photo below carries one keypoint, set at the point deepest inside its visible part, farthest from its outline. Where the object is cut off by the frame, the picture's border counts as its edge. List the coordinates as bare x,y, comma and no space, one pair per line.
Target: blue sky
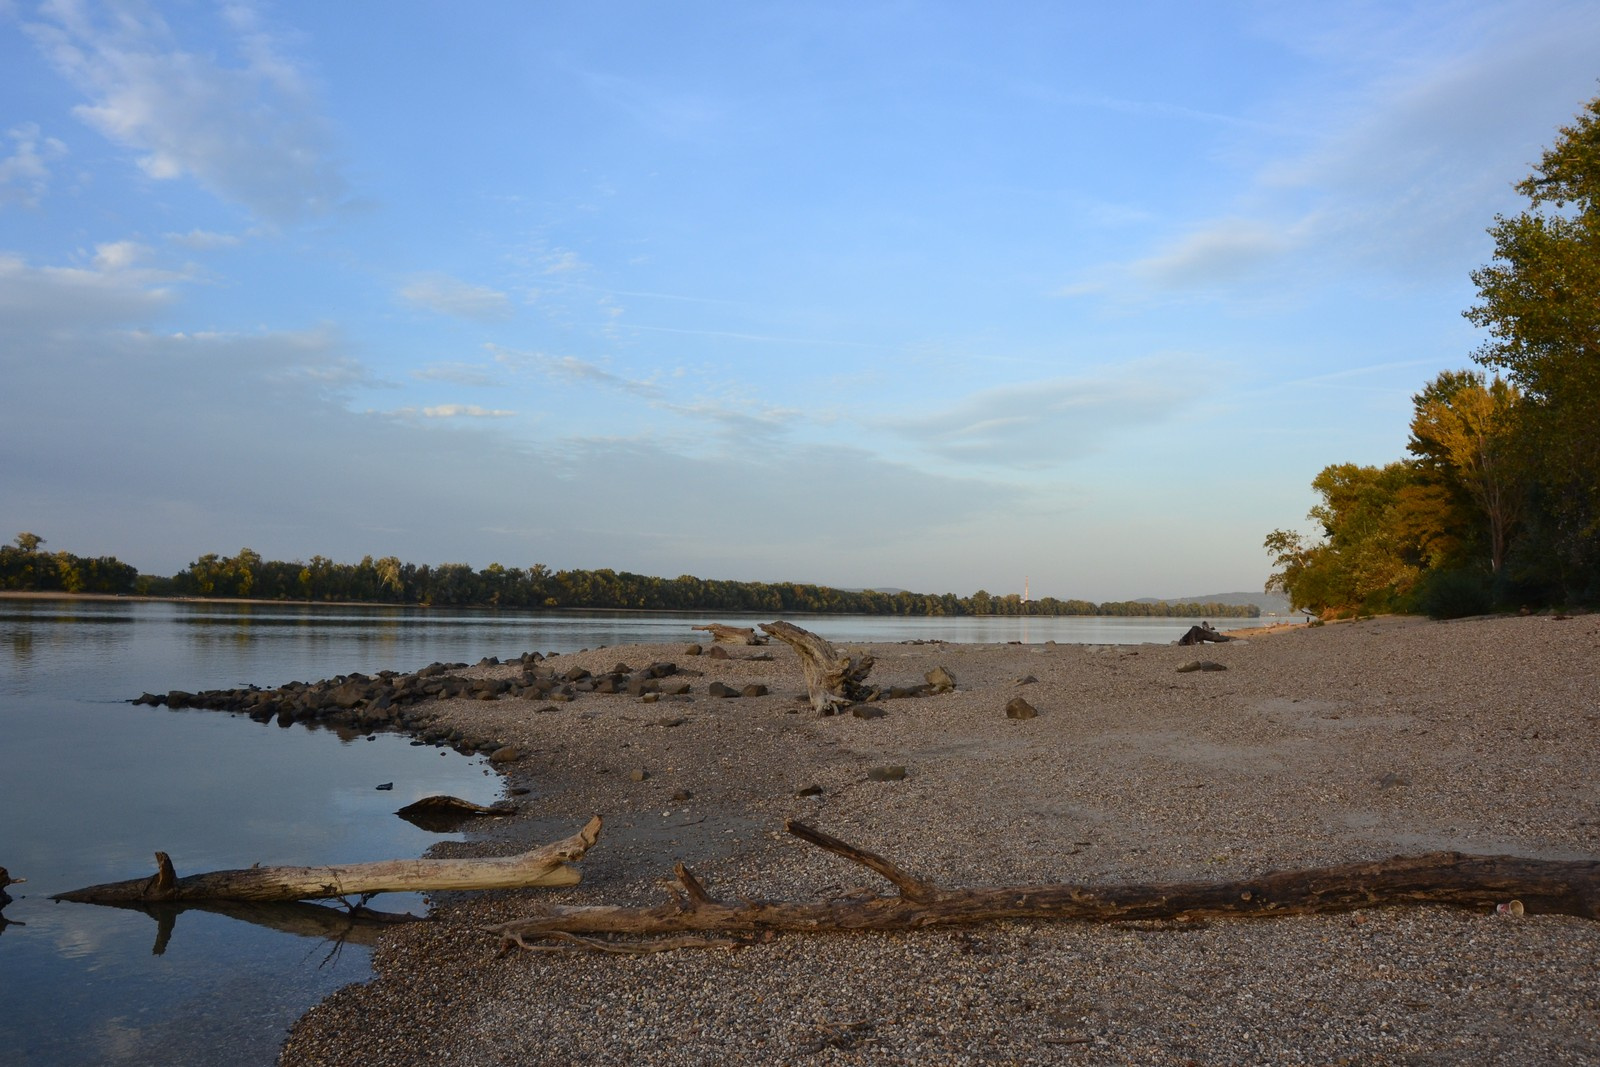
927,295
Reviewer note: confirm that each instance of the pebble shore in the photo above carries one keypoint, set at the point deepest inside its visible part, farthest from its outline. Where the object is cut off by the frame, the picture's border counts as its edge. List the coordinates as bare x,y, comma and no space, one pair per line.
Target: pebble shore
1313,746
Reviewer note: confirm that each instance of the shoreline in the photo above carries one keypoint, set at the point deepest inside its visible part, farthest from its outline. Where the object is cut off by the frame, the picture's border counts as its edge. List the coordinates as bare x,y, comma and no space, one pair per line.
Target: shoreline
1315,745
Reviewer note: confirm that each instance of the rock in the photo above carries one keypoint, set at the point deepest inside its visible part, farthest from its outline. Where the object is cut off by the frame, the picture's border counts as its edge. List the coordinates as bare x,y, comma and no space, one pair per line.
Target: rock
718,689
867,711
812,790
638,774
1200,665
940,679
718,652
1391,779
1026,679
575,674
693,650
891,773
755,689
1017,708
682,795
505,754
386,785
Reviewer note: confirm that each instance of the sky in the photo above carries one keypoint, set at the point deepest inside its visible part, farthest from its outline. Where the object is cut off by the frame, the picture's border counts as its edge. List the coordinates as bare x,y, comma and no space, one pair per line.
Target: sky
936,296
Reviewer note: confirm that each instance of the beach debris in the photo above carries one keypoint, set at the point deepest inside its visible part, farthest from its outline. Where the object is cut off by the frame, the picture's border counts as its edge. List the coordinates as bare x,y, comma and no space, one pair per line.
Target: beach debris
1017,708
546,865
833,680
1512,908
940,680
385,785
5,880
732,635
443,814
1200,665
1566,887
1204,632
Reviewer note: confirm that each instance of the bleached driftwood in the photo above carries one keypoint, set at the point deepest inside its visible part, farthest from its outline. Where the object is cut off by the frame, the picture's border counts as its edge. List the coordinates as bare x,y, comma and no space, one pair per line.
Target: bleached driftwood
833,679
547,865
732,635
1569,887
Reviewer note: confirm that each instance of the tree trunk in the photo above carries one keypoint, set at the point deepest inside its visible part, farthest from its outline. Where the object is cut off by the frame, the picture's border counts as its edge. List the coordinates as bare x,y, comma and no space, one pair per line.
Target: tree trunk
732,635
548,865
833,679
1550,886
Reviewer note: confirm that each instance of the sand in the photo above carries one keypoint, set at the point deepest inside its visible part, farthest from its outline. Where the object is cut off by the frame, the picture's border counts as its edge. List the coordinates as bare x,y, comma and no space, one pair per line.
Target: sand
1315,745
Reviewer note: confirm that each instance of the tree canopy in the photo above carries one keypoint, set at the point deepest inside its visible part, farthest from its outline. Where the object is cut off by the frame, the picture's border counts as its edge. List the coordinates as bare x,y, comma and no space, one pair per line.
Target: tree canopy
1499,501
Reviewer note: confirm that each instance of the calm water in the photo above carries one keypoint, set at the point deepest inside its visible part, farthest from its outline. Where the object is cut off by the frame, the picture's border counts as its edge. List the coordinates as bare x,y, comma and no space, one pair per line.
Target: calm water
91,787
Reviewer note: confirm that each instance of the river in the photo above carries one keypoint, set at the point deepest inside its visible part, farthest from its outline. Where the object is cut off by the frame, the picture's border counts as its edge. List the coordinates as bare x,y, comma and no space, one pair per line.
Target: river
91,787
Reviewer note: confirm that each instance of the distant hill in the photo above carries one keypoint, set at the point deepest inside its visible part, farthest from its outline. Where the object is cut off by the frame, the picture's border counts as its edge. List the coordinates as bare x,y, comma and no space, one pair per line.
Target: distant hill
1269,603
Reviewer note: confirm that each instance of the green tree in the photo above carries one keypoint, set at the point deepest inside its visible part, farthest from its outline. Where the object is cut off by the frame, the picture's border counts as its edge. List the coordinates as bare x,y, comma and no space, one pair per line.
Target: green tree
1462,432
1540,302
29,542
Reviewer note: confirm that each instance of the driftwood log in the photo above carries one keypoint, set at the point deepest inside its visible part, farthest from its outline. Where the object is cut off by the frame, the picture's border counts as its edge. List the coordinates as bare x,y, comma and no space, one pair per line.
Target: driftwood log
547,865
1204,632
833,679
732,635
1568,887
443,814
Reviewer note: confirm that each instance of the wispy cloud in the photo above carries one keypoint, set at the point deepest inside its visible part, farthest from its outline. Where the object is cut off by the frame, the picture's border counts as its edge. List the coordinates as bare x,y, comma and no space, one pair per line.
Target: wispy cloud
249,132
1041,424
205,240
450,296
1218,253
25,173
573,370
455,411
474,374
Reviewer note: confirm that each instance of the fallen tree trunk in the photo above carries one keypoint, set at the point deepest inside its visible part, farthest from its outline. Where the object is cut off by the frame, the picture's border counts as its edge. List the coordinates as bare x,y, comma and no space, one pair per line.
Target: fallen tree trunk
732,635
547,865
833,679
1450,878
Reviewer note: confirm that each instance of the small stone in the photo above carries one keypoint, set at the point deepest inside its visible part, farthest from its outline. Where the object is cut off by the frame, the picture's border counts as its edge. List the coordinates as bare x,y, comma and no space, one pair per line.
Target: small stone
812,790
718,652
940,679
1017,708
638,774
1200,665
693,650
755,689
892,773
718,689
1391,779
867,711
505,754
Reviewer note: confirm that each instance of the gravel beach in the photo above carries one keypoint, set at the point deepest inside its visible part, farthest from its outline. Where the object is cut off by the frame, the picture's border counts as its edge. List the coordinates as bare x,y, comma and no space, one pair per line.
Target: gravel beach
1314,745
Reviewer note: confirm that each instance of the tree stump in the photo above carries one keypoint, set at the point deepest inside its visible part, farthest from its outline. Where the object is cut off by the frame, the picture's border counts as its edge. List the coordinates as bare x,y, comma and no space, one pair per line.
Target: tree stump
833,679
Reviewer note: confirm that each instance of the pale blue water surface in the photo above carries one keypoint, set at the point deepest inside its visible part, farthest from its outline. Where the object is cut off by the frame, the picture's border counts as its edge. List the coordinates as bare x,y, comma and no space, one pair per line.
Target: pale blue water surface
91,787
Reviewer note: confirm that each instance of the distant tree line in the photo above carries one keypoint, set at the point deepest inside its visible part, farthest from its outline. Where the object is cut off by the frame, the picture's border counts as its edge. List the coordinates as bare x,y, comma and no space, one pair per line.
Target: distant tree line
389,581
24,567
1498,504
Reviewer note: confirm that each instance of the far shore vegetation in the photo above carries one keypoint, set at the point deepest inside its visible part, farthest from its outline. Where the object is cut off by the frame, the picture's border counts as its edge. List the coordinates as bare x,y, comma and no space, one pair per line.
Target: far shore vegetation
1497,506
26,567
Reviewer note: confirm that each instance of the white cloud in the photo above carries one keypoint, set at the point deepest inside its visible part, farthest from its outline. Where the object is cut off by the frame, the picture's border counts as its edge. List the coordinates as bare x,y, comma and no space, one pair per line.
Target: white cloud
118,255
449,296
561,261
249,132
75,298
25,173
205,240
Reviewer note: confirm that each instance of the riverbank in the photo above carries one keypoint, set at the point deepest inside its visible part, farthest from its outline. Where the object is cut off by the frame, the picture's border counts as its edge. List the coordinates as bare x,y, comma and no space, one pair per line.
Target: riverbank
1317,745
